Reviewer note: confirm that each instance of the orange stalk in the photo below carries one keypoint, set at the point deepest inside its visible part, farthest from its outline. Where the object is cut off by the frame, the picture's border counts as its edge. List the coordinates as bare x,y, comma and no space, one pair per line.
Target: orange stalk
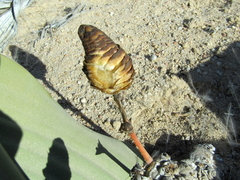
141,149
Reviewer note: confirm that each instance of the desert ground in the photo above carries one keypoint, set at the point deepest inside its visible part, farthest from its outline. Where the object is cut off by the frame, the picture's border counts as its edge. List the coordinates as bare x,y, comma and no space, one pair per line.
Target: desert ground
186,54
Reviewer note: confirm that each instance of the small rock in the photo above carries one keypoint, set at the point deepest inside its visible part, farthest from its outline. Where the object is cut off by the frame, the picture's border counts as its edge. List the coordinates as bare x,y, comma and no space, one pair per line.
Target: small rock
199,71
83,100
107,123
186,22
188,61
116,124
111,13
153,57
219,73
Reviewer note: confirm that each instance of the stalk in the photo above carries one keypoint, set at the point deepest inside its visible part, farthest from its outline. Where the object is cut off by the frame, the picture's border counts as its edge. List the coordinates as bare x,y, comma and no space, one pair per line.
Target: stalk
127,127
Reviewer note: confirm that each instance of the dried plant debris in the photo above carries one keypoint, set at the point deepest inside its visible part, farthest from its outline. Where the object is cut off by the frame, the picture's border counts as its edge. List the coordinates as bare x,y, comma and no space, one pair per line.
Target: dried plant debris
57,23
9,11
200,166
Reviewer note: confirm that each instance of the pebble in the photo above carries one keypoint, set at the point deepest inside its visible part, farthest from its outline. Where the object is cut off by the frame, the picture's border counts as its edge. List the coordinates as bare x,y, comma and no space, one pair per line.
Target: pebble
116,124
219,73
83,100
111,13
153,57
199,71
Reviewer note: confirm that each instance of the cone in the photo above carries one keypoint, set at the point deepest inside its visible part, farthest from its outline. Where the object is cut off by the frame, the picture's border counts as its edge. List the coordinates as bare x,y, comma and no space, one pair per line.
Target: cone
106,64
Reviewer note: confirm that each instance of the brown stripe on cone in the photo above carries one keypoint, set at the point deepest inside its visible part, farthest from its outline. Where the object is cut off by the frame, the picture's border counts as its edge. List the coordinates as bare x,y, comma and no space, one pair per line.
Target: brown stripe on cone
106,64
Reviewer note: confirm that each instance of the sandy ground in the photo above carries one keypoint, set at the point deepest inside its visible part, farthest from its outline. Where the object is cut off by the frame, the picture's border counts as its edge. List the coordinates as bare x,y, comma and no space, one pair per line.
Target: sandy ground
186,54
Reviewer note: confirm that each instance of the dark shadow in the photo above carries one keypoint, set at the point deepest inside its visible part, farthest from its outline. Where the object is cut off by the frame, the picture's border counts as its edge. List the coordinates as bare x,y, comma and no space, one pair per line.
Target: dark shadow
57,167
217,83
29,61
10,134
101,149
175,146
35,66
148,56
133,148
10,137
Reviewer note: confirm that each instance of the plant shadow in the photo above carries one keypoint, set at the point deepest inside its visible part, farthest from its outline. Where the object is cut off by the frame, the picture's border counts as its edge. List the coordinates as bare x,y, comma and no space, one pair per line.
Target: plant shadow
57,166
10,137
101,149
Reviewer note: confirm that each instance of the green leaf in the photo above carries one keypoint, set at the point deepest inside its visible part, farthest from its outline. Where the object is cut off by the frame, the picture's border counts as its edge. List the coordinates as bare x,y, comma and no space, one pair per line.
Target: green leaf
46,142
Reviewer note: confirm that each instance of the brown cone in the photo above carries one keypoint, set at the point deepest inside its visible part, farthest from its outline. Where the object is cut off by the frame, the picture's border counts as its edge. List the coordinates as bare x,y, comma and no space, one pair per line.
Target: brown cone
106,64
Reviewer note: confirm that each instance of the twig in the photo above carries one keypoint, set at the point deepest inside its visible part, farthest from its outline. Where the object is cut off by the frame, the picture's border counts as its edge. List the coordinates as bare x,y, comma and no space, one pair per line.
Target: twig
57,23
